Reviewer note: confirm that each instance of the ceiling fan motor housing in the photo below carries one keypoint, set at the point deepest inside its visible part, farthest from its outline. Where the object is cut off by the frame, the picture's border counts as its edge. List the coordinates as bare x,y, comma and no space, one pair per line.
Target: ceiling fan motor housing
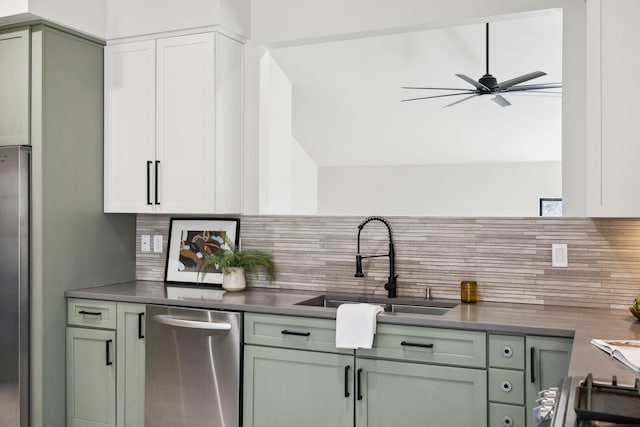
489,81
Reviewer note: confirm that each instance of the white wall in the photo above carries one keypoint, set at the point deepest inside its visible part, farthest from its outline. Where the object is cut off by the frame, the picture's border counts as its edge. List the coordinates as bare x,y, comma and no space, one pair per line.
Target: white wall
288,176
13,7
87,17
338,19
126,18
508,189
304,189
82,15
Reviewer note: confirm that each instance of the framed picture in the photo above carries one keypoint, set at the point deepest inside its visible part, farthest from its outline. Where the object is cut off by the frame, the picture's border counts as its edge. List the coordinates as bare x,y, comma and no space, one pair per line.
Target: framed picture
190,240
550,207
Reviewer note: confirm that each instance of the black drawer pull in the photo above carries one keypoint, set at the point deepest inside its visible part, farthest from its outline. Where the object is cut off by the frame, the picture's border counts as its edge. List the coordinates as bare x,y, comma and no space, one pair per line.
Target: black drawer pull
346,381
91,313
300,334
359,384
140,334
109,361
415,344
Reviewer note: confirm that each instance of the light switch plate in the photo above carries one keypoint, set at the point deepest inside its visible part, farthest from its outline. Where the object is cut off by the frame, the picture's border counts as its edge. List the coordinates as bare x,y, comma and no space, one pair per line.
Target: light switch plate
559,255
145,243
157,243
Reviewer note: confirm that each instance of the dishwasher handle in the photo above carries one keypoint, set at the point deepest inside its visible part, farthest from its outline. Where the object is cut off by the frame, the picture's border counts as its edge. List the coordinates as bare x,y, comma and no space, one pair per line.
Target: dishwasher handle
192,324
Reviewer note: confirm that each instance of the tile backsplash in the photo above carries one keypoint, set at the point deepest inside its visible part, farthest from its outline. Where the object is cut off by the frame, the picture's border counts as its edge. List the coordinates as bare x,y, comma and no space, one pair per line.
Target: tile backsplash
510,258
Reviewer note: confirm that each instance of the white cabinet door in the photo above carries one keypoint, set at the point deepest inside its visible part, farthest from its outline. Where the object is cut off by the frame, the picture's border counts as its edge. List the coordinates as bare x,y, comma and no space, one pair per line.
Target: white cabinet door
612,113
130,108
186,123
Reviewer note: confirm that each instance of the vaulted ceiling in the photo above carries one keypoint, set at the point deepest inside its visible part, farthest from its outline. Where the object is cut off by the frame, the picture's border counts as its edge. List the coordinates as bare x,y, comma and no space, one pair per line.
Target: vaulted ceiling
346,95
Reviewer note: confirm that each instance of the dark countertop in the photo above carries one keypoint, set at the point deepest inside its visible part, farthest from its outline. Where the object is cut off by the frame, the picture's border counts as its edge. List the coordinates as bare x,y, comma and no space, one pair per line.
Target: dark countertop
581,324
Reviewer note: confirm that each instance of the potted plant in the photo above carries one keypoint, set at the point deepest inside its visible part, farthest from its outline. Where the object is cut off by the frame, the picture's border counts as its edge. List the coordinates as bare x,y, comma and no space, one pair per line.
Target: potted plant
233,261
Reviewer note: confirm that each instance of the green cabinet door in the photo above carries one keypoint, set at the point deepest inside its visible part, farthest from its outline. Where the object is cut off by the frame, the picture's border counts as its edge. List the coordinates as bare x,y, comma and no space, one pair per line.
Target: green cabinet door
14,86
91,378
293,388
415,395
547,363
130,358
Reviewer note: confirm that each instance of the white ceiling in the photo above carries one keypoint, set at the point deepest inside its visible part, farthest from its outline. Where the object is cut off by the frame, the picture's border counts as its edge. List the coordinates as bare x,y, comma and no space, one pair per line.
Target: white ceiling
346,96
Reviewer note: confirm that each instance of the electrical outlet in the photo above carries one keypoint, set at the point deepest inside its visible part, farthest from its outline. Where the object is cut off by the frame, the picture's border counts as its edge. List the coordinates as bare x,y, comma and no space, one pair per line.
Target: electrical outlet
145,243
559,255
157,243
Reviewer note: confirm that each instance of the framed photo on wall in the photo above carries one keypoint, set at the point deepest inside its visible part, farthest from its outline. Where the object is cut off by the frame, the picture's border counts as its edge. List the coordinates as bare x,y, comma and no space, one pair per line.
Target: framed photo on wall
190,240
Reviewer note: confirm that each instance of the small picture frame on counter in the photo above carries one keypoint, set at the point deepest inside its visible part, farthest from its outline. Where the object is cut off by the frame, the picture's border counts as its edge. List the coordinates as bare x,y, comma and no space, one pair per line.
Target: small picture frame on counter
550,206
190,241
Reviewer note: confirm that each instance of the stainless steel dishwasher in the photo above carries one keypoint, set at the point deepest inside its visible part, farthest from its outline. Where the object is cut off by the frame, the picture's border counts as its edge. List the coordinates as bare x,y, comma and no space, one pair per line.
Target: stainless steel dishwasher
192,367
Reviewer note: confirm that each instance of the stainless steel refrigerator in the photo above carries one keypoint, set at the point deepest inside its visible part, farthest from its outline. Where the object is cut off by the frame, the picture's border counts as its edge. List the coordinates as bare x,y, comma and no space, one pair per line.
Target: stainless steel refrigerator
14,286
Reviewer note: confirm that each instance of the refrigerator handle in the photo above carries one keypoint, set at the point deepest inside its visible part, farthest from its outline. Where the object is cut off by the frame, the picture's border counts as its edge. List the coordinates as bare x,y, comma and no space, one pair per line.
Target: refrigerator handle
192,324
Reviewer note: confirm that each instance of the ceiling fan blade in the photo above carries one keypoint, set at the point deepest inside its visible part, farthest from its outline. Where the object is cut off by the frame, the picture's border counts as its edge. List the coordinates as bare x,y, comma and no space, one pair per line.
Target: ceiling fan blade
435,96
461,100
501,101
436,88
536,93
474,83
534,87
521,79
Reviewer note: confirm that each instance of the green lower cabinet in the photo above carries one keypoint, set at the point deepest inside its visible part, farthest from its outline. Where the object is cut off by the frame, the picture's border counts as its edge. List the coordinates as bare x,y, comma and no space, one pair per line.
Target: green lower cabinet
416,395
547,363
91,377
130,358
501,415
293,388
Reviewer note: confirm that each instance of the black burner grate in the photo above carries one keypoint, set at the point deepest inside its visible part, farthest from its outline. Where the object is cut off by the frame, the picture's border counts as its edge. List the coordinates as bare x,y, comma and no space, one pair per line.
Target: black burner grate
608,402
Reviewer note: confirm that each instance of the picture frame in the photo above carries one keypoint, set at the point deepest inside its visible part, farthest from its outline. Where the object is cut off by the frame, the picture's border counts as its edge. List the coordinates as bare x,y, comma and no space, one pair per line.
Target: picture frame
190,239
550,206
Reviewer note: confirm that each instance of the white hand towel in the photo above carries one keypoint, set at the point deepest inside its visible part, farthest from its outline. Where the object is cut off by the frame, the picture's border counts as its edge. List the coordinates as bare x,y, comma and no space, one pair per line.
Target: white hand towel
355,325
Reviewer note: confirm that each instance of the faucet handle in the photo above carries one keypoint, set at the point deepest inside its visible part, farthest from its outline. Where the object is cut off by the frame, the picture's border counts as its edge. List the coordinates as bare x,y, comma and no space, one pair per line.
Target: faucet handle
359,272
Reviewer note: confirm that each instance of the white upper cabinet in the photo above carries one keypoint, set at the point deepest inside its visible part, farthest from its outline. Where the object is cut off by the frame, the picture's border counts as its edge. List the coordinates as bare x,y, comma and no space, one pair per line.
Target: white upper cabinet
613,111
173,129
130,124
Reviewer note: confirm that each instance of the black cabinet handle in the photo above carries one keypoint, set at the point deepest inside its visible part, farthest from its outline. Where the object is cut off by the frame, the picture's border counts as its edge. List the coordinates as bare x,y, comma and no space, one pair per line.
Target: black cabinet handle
149,182
157,165
300,334
532,361
91,313
415,344
109,361
359,384
140,316
346,381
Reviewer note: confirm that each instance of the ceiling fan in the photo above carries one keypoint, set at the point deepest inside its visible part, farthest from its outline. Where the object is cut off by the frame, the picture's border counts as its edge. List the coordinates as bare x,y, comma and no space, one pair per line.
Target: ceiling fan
488,85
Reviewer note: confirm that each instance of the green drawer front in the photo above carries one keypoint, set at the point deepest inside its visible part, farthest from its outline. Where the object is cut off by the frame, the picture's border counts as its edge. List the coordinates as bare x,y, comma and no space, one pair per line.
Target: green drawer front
92,313
501,415
429,345
283,331
506,386
506,352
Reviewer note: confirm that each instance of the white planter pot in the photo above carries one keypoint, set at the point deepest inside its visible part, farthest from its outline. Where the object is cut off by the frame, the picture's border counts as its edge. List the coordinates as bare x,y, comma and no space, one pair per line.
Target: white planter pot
235,280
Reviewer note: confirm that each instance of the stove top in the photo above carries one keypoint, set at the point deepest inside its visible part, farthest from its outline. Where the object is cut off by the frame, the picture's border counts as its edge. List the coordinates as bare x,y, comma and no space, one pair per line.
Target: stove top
598,404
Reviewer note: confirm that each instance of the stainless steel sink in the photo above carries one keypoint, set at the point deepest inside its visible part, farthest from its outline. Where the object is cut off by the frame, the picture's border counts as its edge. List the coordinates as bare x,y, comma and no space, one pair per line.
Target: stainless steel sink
393,305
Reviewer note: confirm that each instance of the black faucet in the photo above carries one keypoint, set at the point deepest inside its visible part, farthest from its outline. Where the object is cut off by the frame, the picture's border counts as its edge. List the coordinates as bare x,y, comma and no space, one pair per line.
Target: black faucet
390,286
